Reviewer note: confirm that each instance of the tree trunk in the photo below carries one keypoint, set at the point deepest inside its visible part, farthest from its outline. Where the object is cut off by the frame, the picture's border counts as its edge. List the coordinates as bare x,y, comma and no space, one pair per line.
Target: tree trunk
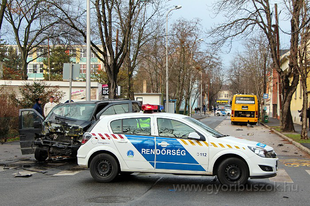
112,89
185,107
24,65
112,76
3,7
287,121
304,130
130,92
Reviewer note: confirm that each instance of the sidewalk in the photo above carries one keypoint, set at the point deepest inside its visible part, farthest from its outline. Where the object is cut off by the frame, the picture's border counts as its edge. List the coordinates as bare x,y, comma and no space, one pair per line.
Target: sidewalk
10,152
201,116
276,122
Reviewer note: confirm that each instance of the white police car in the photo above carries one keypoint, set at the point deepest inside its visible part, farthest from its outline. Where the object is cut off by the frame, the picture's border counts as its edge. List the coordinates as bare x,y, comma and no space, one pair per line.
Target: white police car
171,143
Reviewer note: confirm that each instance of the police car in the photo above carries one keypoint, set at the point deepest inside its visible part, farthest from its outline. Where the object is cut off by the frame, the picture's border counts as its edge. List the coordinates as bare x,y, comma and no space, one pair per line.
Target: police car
171,143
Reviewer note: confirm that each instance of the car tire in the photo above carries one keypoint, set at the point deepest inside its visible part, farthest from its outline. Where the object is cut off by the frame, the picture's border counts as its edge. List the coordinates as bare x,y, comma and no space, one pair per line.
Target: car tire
104,168
232,123
40,154
233,172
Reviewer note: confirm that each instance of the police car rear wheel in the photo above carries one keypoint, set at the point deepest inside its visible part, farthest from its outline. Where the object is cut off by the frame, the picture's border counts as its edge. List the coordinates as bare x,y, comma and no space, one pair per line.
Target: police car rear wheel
233,172
104,168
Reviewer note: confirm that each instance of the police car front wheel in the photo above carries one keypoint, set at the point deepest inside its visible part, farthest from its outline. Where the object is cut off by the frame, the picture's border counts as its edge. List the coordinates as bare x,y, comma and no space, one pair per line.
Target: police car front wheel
104,168
233,172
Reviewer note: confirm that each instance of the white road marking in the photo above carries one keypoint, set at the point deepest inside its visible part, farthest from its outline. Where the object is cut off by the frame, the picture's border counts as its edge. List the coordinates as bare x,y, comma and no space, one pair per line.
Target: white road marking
308,171
282,176
66,173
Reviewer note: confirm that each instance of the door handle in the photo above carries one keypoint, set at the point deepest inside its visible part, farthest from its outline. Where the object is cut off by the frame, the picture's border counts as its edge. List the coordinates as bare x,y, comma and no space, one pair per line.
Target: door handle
164,144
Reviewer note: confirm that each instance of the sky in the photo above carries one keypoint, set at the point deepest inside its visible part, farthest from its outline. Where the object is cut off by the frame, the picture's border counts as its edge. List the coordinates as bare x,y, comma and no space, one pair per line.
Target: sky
202,9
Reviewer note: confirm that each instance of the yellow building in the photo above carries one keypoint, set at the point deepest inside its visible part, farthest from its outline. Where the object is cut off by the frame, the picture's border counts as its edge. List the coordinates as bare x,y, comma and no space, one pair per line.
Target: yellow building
297,98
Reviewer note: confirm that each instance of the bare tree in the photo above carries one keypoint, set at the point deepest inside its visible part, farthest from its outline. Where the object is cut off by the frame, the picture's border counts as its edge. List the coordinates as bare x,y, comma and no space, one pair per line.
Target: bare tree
30,26
144,30
184,45
213,77
245,17
3,7
115,20
301,60
151,67
249,69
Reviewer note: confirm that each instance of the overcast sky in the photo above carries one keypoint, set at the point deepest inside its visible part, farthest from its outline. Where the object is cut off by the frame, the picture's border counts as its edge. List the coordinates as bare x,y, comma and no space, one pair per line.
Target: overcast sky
202,9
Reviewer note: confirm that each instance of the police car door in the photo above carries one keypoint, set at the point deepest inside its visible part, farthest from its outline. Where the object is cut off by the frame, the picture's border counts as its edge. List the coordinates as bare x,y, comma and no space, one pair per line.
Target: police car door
175,150
137,147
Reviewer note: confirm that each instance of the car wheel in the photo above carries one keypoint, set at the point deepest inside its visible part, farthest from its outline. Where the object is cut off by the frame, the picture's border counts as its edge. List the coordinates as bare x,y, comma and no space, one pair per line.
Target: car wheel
40,154
233,172
232,123
104,168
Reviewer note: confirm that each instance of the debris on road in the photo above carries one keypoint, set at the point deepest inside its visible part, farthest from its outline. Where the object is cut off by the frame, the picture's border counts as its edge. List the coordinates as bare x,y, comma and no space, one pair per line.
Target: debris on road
22,174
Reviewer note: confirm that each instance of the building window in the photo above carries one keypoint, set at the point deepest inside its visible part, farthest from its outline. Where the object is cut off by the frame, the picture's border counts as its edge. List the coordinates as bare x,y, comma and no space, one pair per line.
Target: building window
41,68
72,52
83,52
83,68
34,68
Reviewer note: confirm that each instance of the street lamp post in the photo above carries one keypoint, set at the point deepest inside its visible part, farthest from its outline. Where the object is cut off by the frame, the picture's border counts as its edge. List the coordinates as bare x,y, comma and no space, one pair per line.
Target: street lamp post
167,70
201,107
88,53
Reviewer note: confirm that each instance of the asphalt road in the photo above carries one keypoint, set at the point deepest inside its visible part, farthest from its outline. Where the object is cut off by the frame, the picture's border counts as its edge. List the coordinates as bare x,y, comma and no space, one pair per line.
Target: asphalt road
64,183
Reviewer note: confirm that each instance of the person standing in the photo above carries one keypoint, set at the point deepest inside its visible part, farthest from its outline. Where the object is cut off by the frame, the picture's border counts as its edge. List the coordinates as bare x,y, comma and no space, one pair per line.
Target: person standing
49,106
308,115
37,106
204,109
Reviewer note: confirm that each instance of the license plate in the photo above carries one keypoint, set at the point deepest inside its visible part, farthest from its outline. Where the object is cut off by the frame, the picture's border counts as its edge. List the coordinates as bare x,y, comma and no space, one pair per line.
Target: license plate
245,107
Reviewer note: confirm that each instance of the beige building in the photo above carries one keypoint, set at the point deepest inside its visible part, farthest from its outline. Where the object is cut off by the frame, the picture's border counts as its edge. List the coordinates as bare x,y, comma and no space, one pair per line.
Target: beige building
224,97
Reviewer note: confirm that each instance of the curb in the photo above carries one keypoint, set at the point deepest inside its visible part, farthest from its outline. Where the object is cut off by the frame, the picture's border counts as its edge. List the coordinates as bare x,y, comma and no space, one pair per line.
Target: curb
298,145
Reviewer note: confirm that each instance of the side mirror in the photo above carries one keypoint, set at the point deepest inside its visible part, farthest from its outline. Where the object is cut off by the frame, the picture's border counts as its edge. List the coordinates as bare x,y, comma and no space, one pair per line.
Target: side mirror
194,135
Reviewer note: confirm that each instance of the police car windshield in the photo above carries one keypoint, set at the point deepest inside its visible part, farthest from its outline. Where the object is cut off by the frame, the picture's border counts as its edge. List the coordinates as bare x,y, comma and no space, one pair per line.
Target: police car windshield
205,127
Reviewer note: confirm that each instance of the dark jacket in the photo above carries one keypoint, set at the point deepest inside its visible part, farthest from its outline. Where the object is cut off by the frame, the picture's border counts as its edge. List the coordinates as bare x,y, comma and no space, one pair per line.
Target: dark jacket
38,107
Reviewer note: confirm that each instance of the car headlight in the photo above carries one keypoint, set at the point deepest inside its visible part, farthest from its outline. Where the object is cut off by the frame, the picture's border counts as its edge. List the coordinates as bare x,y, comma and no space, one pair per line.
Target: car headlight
259,151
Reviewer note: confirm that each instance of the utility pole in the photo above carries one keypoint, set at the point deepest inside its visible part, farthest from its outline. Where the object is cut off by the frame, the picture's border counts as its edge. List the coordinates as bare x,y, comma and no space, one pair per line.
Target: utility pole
278,57
88,53
48,59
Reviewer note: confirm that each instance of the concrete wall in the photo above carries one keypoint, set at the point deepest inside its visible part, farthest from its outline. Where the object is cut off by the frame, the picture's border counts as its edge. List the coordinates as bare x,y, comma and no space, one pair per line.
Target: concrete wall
78,88
149,98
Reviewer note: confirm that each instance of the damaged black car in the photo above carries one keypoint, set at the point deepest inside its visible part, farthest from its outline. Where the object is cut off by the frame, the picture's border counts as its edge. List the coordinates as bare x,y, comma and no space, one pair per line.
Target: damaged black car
59,135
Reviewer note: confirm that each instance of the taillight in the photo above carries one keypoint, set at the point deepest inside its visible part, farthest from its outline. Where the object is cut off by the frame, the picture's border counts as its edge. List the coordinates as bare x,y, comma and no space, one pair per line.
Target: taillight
232,112
256,114
86,137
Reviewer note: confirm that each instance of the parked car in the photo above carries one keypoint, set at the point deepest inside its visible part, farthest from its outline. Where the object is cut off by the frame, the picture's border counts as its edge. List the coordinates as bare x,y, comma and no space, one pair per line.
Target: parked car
61,132
220,112
228,111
